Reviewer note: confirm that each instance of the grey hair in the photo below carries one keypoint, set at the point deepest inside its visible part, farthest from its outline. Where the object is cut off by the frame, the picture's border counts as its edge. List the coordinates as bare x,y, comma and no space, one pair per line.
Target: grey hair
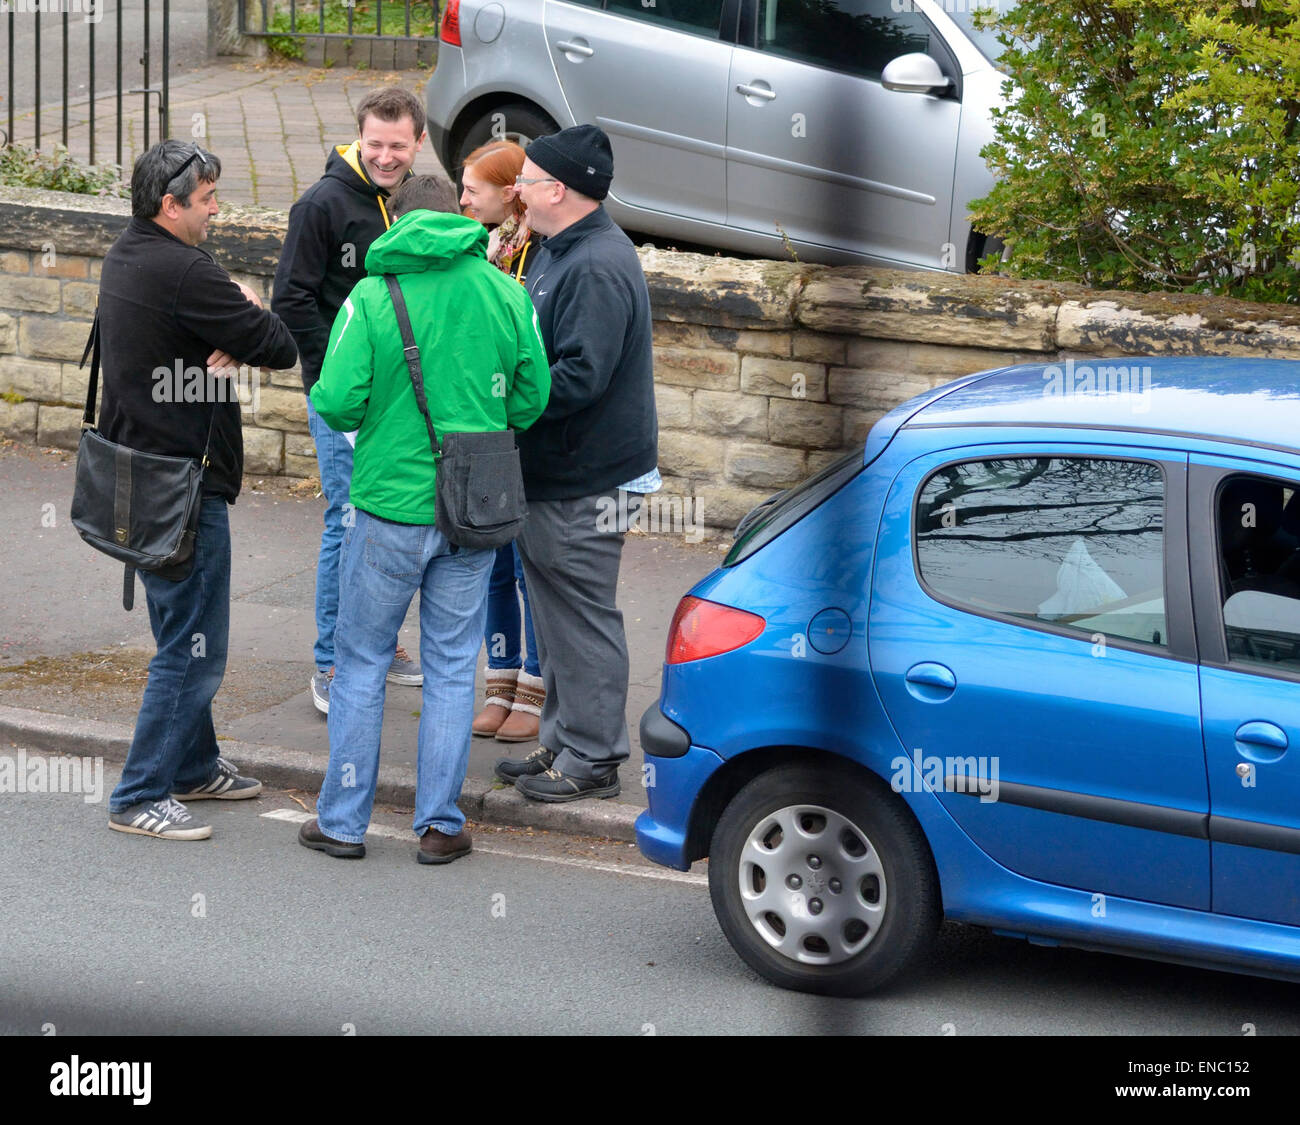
155,170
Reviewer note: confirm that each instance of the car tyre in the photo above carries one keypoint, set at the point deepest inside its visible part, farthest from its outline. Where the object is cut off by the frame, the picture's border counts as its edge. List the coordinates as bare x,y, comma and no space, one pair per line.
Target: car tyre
800,831
518,122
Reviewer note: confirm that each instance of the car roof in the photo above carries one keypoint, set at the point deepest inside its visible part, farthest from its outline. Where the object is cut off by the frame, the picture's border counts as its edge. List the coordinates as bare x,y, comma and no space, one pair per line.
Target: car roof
1246,401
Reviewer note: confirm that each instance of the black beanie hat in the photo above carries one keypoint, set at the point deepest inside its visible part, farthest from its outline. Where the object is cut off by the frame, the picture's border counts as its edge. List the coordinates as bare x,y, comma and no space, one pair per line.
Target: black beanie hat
580,158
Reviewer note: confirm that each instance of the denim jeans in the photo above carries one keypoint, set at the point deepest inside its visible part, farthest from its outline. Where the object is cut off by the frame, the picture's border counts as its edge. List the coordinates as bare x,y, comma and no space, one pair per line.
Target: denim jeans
334,456
174,748
382,566
501,633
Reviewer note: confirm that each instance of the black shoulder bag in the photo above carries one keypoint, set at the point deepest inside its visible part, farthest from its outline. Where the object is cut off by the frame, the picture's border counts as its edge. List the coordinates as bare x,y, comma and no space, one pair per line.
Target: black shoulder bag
140,508
479,490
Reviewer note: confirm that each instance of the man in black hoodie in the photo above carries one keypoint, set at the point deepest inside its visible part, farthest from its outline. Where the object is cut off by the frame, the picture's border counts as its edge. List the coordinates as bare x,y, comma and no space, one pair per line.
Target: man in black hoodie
330,229
171,321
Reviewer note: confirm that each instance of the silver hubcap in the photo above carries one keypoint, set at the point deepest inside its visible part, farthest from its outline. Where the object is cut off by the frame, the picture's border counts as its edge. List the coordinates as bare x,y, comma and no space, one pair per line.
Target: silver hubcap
812,884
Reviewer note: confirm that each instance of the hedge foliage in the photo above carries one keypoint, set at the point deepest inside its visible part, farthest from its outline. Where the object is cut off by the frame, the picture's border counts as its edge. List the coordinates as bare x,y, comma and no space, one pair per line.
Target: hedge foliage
1150,144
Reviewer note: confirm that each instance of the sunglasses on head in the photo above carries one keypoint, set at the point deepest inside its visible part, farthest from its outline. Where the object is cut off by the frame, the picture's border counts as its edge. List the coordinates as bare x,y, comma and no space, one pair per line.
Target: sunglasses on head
199,155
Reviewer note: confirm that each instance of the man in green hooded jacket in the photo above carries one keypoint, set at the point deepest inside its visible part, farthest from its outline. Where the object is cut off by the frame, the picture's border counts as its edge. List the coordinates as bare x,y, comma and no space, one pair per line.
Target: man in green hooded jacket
485,369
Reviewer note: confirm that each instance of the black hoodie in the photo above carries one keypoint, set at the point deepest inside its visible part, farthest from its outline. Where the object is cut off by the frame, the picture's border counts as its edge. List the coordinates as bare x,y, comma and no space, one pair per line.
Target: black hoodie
330,229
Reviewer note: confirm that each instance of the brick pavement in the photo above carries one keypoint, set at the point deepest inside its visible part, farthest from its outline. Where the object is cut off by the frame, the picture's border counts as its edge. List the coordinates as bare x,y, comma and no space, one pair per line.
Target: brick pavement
271,123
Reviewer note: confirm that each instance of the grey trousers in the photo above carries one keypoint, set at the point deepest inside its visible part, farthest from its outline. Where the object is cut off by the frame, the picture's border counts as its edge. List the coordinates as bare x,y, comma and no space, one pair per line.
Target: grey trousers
571,550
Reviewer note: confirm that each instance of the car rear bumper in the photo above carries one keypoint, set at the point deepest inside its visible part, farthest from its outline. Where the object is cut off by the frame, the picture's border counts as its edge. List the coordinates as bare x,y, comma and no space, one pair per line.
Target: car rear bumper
441,96
673,784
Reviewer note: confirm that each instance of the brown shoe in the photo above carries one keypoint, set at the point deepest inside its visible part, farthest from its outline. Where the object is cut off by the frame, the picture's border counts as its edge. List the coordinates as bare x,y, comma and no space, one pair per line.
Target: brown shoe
438,847
500,698
526,715
310,836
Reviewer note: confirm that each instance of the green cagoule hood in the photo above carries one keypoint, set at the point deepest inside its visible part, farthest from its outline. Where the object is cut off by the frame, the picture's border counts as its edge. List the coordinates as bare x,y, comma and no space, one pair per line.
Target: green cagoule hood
425,240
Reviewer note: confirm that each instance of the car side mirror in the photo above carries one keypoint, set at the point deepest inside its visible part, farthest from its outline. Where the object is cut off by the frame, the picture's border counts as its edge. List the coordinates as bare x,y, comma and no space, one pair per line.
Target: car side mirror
915,73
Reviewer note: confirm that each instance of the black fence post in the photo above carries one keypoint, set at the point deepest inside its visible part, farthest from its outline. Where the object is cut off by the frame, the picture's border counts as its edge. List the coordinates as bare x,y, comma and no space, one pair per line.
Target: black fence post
165,108
119,83
91,119
37,142
10,135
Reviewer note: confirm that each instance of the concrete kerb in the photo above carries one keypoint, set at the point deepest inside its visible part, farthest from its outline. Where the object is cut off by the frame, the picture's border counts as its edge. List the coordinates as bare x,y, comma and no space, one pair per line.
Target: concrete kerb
286,768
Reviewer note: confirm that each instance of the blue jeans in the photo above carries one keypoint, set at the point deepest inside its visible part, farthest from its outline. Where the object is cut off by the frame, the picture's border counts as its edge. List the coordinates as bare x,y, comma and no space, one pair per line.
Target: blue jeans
501,633
174,748
334,456
382,566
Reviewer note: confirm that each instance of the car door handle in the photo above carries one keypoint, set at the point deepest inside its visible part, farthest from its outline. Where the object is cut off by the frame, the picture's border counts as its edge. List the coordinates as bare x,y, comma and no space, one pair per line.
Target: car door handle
572,48
1260,741
930,683
756,92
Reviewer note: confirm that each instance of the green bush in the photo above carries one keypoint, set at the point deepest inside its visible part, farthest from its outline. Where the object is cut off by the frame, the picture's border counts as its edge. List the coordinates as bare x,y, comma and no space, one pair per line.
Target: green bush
57,170
1150,144
364,18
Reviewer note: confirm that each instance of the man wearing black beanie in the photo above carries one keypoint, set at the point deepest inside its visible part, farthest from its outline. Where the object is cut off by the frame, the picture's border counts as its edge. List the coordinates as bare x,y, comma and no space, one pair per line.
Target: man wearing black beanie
586,462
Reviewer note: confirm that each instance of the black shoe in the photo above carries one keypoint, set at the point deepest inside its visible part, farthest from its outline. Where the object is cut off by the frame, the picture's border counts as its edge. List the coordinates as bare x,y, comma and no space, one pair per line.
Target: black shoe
552,785
510,770
310,836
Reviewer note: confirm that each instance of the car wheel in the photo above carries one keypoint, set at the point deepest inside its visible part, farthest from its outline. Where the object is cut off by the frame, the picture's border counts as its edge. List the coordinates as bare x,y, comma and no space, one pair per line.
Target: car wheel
516,122
822,881
980,246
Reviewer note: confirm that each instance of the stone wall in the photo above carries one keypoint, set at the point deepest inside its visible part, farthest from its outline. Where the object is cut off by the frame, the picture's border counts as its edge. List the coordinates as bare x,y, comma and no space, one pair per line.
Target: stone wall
764,370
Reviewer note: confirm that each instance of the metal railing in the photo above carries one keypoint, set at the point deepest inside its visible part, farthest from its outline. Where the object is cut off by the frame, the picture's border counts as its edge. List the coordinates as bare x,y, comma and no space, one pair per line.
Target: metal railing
361,19
80,20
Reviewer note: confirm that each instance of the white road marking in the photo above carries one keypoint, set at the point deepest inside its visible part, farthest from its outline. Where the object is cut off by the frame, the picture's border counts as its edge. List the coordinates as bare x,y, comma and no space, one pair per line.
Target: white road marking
297,816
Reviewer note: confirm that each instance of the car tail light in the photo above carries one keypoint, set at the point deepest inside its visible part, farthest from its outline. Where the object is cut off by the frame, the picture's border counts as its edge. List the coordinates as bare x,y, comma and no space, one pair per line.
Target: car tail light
701,629
450,31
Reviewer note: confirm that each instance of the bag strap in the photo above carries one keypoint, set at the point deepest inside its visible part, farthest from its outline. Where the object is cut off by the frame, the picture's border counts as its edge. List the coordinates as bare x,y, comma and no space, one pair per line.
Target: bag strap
92,387
412,354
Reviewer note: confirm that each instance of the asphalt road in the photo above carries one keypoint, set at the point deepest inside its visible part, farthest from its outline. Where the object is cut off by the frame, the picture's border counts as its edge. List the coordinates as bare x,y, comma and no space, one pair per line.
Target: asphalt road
105,933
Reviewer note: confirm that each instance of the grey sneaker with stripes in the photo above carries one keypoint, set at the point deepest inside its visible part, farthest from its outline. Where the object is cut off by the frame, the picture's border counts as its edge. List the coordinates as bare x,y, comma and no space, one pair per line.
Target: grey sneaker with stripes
226,785
167,819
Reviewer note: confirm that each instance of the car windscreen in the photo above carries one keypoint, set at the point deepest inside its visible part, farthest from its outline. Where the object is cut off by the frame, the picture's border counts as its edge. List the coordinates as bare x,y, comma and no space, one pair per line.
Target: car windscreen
985,38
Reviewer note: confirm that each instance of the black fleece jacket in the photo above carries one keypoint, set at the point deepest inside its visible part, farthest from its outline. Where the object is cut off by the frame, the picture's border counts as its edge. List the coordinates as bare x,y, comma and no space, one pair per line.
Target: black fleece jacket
163,303
330,229
599,429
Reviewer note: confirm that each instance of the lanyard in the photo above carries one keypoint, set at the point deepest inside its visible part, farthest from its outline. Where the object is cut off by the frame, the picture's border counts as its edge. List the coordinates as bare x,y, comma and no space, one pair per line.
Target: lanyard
519,269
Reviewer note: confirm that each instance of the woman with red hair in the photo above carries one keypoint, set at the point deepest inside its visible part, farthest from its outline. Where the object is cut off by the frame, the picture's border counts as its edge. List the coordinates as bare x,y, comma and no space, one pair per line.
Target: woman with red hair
492,198
515,693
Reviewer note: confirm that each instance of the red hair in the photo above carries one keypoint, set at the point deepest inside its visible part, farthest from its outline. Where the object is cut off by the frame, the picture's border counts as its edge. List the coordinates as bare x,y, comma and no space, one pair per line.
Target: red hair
498,163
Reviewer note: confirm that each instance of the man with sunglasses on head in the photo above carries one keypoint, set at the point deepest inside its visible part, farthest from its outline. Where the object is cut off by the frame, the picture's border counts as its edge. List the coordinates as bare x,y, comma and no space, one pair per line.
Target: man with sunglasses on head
172,320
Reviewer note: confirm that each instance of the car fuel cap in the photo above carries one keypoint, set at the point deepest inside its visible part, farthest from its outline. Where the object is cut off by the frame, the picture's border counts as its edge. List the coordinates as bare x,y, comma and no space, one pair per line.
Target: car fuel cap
829,631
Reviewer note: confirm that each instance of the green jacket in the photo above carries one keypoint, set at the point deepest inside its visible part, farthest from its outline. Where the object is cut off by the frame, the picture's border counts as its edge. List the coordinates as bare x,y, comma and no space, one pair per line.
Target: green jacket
484,363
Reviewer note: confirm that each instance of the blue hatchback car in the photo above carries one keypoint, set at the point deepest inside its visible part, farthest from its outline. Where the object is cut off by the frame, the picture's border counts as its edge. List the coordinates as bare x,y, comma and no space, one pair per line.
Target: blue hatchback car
1030,660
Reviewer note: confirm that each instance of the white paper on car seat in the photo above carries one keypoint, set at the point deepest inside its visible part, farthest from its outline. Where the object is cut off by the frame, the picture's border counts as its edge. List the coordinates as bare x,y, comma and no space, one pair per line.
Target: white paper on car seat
1081,585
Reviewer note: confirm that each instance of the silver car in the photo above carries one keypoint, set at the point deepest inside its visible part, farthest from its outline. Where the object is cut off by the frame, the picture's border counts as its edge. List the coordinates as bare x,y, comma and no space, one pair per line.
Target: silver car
847,131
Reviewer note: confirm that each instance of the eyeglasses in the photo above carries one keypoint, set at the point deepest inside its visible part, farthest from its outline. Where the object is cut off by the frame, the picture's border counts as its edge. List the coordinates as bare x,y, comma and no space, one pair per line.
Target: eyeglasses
521,180
198,155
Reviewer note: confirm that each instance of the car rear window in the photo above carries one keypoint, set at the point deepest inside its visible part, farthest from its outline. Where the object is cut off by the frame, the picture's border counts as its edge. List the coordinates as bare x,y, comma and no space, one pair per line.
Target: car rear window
1071,542
684,15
